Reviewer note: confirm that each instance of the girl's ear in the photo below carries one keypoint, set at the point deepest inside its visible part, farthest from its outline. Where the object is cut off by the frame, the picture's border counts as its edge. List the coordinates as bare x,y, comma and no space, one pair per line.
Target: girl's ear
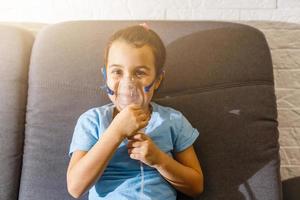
159,80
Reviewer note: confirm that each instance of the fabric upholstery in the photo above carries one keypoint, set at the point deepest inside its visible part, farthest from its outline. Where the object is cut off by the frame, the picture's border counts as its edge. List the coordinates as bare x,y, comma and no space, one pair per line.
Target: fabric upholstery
15,50
290,188
219,74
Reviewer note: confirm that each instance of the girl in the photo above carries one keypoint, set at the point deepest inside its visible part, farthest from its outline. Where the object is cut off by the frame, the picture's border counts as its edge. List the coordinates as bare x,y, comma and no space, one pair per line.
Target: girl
133,148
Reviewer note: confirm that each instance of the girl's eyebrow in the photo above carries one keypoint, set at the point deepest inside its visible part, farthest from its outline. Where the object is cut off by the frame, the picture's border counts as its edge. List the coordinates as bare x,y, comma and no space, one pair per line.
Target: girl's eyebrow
144,67
115,65
140,66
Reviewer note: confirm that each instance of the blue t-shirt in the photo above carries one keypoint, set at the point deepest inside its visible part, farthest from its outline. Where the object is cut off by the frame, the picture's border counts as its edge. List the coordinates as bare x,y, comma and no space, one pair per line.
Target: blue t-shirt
121,179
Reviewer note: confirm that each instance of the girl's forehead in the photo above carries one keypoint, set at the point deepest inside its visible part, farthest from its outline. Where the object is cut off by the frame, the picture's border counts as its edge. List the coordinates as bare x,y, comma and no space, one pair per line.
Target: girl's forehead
124,54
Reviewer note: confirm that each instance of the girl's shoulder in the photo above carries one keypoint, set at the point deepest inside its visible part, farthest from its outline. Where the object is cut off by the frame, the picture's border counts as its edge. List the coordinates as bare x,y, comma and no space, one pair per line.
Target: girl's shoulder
166,111
161,108
98,113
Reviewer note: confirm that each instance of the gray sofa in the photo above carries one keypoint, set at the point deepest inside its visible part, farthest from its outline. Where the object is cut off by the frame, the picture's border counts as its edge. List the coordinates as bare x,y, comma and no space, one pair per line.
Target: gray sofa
219,74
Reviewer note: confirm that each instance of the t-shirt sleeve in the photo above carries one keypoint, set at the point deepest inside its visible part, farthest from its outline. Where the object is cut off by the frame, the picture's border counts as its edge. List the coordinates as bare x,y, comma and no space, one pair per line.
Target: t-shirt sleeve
85,133
185,134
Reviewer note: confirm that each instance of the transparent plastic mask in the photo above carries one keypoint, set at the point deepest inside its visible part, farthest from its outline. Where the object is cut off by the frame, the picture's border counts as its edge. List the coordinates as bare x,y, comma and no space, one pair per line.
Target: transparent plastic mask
126,90
129,91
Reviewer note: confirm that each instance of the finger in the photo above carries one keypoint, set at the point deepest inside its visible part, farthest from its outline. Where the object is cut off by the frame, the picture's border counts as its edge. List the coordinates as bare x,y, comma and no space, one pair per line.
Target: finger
133,144
138,113
147,119
130,138
134,151
143,124
143,117
134,156
139,136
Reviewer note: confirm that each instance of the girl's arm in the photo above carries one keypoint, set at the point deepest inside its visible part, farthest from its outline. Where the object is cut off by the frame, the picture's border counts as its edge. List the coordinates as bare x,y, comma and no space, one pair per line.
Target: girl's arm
86,167
184,173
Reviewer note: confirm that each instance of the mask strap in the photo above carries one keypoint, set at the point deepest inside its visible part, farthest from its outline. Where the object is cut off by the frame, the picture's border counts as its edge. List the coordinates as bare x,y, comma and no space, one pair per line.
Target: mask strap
147,88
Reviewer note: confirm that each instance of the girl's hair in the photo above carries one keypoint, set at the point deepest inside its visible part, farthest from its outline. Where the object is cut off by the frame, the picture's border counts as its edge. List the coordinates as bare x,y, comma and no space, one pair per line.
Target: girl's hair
138,36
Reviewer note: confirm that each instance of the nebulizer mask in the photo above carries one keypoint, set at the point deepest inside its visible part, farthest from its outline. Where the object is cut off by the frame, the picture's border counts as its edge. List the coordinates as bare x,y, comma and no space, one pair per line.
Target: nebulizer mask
129,90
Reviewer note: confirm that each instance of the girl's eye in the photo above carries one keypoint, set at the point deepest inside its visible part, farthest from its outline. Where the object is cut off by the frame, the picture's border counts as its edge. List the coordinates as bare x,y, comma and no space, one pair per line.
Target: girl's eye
140,73
116,72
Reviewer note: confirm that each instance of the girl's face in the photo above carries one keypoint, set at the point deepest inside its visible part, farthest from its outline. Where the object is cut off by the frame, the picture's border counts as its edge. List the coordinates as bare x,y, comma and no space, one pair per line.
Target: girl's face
129,71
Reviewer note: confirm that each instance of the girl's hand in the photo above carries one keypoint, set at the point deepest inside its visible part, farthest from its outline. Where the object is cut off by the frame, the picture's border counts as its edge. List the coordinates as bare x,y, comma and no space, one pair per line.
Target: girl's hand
131,119
141,147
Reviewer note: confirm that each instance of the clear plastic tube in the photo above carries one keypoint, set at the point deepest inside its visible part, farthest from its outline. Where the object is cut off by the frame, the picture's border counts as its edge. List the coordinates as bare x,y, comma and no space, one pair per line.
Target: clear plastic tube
142,180
142,195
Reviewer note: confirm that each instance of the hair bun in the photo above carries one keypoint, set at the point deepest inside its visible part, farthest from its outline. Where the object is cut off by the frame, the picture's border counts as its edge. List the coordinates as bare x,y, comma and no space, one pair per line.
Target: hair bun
145,26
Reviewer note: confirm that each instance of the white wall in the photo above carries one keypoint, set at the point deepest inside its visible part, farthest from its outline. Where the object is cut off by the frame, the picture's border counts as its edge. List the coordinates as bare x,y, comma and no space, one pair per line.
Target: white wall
51,11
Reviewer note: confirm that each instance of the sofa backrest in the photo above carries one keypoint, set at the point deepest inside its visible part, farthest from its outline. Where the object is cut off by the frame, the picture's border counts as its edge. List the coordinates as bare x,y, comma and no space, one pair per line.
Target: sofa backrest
15,50
219,74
